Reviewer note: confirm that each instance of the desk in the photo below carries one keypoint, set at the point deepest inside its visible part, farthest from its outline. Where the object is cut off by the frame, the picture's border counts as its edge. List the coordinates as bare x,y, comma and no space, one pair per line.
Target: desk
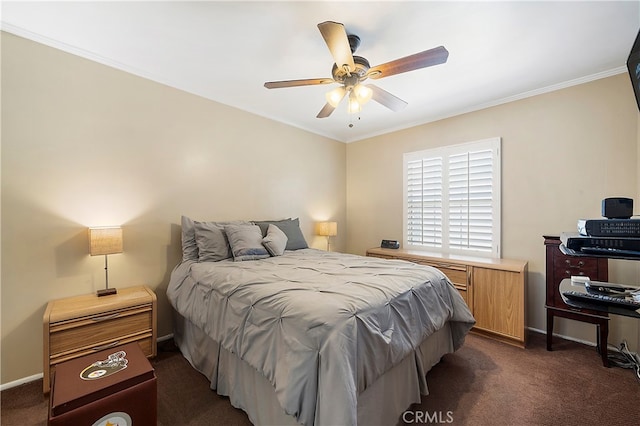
560,266
601,320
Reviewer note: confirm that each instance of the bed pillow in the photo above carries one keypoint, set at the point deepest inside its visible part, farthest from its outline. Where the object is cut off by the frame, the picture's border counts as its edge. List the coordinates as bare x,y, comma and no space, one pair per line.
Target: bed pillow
212,242
291,228
189,245
246,242
276,241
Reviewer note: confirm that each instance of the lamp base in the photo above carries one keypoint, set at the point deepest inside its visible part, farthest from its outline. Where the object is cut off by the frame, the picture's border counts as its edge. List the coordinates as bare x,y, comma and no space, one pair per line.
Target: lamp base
106,292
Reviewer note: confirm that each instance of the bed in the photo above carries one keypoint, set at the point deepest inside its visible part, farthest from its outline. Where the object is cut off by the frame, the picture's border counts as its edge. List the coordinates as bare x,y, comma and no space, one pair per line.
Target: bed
295,335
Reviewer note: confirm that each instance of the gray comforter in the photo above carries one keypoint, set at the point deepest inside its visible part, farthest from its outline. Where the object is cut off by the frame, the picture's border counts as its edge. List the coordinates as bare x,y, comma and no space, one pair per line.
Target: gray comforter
320,326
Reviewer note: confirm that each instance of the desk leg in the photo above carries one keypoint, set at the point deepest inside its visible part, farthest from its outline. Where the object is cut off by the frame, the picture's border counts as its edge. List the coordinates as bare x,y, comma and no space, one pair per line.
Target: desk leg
549,329
603,337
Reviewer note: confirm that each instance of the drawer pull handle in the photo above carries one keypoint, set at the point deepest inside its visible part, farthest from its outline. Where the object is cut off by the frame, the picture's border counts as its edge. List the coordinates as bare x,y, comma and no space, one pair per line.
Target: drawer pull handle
105,317
107,346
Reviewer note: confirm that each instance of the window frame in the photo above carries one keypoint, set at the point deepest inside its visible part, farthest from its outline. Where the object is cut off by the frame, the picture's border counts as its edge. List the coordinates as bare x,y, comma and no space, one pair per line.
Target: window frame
444,152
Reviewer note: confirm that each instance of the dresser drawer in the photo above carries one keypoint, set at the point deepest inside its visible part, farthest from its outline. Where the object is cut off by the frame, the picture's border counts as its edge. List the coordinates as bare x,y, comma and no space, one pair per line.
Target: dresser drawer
94,332
457,274
457,277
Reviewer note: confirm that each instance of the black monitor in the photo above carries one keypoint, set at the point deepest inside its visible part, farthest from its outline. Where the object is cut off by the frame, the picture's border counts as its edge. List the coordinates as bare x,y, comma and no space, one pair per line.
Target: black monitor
633,65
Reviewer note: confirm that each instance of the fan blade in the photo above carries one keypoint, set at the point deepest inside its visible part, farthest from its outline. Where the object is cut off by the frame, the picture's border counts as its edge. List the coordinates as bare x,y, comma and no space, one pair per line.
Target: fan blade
335,36
435,56
387,99
325,111
295,83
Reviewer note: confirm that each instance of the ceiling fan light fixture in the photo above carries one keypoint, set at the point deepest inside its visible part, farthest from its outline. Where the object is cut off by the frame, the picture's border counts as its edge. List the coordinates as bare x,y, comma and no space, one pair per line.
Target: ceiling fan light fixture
354,105
363,94
349,70
335,96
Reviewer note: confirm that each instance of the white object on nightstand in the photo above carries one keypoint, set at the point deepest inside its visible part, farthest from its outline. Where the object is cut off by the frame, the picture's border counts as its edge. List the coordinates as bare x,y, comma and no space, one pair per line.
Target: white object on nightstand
579,279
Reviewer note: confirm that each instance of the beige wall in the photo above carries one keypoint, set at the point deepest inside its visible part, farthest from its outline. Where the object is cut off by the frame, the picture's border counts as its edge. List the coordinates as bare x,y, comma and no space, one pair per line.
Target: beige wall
84,145
562,153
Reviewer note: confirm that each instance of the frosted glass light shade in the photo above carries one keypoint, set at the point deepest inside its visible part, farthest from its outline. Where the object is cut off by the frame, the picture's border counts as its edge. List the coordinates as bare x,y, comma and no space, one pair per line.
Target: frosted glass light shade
335,96
363,94
354,105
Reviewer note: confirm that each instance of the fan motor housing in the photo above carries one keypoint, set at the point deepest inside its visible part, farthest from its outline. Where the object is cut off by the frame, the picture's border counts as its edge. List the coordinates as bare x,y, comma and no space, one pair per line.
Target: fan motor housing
362,66
354,42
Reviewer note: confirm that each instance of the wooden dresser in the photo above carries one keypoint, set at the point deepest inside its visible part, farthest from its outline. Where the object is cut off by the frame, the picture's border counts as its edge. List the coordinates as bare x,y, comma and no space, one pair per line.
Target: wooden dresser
494,289
80,325
560,266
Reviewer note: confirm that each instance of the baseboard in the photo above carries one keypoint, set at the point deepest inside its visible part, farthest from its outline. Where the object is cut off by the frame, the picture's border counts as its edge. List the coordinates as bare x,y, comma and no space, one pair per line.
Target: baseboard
22,381
164,338
562,336
39,376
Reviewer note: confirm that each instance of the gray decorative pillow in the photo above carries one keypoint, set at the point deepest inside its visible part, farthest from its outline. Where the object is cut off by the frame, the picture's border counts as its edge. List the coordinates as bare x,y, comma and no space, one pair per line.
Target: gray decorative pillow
189,246
206,243
275,241
212,242
246,242
291,228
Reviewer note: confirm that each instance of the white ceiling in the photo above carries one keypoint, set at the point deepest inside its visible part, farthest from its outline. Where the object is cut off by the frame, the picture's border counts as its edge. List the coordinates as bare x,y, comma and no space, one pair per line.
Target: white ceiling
225,51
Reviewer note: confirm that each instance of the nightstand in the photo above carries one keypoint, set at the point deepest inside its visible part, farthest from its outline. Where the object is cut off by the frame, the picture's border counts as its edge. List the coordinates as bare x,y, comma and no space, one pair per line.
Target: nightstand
81,325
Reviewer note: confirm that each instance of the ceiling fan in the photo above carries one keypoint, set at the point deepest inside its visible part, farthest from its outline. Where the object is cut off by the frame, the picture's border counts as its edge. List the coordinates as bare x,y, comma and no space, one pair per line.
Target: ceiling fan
350,71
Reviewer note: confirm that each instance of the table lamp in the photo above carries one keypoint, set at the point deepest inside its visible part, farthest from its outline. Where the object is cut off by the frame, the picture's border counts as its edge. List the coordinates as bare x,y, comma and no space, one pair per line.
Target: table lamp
105,241
327,229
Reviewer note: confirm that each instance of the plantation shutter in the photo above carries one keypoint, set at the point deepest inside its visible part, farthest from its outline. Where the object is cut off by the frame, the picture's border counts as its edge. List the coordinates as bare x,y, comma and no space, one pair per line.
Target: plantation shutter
452,198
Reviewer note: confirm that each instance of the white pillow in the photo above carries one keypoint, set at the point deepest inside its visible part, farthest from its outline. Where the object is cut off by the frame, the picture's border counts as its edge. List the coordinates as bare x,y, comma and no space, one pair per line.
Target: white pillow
275,241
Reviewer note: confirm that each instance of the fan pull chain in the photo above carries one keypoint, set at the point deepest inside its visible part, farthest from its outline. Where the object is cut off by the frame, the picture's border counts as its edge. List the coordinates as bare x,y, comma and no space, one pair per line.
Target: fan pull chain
350,119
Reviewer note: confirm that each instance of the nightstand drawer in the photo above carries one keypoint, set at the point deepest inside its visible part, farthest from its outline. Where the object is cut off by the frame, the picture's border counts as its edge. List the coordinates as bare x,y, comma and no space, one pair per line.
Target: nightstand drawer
98,330
144,340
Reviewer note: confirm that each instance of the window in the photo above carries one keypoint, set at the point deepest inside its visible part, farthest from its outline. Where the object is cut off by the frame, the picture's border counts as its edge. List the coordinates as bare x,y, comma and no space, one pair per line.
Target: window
452,199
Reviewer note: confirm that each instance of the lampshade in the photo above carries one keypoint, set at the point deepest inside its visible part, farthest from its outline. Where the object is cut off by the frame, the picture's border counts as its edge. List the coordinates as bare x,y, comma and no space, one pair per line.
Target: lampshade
106,240
327,229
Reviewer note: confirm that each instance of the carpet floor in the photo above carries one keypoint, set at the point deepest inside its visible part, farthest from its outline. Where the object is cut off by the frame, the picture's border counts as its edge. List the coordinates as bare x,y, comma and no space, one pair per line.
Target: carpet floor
484,383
